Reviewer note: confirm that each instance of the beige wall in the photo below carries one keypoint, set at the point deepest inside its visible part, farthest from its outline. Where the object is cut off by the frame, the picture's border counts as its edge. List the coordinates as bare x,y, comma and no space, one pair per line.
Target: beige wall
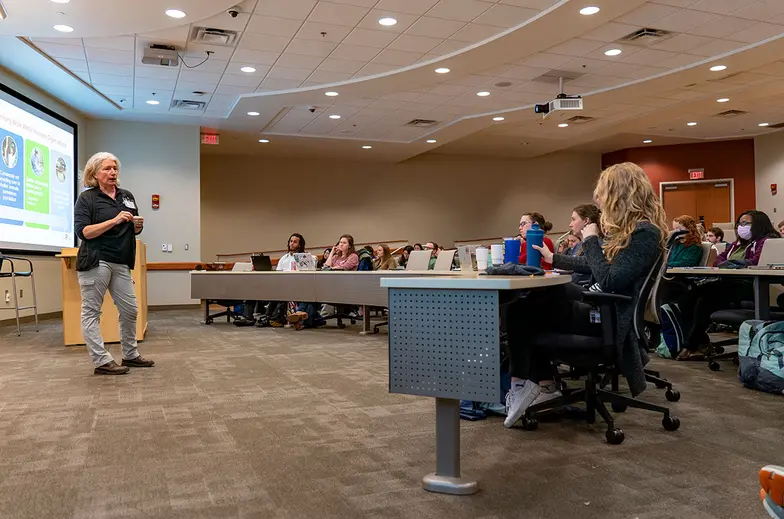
47,268
159,159
769,167
250,203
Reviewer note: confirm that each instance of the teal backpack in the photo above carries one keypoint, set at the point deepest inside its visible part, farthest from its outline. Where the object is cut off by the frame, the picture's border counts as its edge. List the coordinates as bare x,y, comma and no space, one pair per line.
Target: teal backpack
761,356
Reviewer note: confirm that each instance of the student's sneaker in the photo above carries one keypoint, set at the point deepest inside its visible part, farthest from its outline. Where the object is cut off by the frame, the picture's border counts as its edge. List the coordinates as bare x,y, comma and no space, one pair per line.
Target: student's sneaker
277,324
772,492
518,399
547,393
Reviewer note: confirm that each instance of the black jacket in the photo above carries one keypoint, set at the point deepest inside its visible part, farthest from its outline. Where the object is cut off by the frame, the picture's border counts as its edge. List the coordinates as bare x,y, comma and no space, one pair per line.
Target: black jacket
118,244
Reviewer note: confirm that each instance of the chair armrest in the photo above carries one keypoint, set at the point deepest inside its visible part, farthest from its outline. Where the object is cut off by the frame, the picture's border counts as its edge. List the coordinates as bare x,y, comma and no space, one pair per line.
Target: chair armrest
604,298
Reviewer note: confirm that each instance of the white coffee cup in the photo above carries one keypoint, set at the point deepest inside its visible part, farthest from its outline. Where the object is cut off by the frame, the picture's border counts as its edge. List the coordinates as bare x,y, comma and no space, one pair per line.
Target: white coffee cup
498,254
482,255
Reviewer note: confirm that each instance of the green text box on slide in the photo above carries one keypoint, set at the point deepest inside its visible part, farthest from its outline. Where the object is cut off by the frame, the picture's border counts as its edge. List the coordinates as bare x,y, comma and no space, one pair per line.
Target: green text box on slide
37,178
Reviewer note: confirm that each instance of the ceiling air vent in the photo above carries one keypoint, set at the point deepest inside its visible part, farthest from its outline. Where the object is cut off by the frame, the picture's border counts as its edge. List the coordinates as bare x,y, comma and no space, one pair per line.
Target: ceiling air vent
555,75
731,113
421,123
580,119
647,36
184,104
212,36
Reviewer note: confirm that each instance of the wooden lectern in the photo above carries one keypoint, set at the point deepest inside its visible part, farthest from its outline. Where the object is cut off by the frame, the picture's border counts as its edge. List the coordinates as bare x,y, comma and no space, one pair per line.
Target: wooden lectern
110,326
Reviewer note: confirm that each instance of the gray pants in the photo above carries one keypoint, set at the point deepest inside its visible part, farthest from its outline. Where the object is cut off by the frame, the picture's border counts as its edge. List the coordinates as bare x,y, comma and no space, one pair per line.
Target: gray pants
93,284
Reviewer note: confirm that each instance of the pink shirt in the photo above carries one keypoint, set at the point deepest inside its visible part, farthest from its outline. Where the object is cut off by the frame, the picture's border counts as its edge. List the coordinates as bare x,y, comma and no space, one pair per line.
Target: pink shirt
348,263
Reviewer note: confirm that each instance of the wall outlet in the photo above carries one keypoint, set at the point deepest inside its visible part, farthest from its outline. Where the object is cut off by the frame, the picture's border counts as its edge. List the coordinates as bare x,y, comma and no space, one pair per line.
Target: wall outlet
186,246
7,297
164,248
170,247
21,293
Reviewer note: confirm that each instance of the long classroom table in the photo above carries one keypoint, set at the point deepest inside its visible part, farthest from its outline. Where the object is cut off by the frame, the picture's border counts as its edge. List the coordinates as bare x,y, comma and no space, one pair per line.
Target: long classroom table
334,286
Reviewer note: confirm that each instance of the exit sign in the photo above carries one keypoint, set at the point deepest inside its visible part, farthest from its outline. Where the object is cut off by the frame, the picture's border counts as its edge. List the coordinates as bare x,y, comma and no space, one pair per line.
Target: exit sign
696,174
210,138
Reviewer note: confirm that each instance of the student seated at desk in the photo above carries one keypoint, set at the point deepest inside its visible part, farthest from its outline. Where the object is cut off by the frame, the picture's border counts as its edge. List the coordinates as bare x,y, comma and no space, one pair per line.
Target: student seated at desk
583,215
275,314
384,259
687,250
753,229
404,255
341,257
433,248
634,221
526,221
715,235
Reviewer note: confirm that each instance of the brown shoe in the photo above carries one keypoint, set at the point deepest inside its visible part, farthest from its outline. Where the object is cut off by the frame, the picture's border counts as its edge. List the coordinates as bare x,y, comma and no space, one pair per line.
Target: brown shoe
296,317
111,368
138,362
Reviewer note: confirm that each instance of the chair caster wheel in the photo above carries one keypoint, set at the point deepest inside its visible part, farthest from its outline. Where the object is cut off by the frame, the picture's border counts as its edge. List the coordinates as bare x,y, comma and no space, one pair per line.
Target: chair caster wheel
614,436
208,321
714,366
619,407
718,350
353,322
672,395
530,424
660,385
671,423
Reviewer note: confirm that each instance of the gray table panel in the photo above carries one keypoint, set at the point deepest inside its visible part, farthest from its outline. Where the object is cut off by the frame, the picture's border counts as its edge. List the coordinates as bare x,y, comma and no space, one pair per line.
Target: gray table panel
262,286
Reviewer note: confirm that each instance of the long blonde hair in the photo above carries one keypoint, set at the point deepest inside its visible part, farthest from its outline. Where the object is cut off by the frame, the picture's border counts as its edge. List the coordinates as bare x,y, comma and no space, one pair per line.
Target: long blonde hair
626,196
94,164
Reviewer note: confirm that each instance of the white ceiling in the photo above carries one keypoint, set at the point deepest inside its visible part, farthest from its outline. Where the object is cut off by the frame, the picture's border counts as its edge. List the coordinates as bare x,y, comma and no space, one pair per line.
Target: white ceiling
385,74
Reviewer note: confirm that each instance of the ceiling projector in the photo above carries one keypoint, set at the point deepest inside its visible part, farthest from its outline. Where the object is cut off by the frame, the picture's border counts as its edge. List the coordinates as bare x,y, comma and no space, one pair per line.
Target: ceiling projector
560,103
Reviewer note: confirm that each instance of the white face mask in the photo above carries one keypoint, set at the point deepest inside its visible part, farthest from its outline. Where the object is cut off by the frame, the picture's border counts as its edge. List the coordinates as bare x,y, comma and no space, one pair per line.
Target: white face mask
744,232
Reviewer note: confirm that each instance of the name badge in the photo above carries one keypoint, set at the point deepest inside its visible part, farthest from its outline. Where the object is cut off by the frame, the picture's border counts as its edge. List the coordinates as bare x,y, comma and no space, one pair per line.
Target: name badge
129,203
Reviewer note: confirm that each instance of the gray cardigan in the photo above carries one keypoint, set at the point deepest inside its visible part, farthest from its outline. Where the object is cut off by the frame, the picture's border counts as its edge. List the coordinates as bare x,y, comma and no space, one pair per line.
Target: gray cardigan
625,275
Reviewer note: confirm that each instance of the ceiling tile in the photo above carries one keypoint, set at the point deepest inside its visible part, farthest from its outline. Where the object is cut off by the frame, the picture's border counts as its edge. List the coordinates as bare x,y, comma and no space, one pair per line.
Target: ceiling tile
108,79
74,65
194,86
325,76
368,38
341,65
676,3
296,9
545,60
506,16
332,33
354,52
532,4
265,42
97,67
277,72
211,65
241,81
757,32
434,27
279,84
685,20
197,52
647,14
721,26
251,57
195,76
460,10
683,43
721,6
77,42
448,47
154,83
681,60
610,32
716,47
62,51
396,57
174,35
273,26
421,44
298,61
649,57
310,48
233,90
109,55
156,72
419,7
575,47
474,32
372,69
114,91
114,43
434,99
404,21
521,72
338,14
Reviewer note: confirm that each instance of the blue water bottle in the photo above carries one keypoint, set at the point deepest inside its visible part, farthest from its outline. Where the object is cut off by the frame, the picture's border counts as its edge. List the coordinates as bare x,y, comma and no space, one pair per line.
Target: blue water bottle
534,236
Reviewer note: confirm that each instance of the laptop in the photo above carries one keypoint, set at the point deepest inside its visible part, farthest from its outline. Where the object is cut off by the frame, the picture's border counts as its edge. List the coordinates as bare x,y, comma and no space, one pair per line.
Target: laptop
242,267
261,263
444,260
305,261
418,260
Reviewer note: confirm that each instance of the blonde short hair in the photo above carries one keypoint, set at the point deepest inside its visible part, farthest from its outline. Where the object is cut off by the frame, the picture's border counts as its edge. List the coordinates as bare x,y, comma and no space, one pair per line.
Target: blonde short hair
94,164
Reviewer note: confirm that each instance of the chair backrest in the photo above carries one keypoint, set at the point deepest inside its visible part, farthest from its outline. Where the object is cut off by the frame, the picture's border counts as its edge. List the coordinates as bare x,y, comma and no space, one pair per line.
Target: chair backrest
772,251
444,260
418,260
646,291
709,254
242,267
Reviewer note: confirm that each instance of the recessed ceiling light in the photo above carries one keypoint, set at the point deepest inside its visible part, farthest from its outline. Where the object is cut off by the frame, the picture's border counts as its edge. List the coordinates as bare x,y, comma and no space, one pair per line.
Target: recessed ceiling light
264,141
331,94
335,116
442,70
175,13
249,70
498,119
387,22
431,141
691,124
647,141
763,124
153,102
366,147
253,114
612,52
63,28
483,94
563,125
723,100
718,68
588,11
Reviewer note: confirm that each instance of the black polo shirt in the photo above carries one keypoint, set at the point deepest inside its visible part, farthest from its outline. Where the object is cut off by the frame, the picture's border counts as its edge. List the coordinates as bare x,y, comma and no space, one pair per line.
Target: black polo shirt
118,244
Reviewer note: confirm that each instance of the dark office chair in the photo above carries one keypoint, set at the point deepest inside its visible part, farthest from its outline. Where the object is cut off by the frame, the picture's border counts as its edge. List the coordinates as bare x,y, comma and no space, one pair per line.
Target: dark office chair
13,273
596,356
732,318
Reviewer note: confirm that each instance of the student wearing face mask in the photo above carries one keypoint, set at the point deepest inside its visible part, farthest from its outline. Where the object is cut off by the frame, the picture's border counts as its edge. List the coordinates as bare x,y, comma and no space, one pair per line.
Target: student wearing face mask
753,229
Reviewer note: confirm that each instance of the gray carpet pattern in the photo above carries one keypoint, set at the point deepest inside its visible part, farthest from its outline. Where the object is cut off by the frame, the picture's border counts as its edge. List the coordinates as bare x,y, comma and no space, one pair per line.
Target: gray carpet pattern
249,423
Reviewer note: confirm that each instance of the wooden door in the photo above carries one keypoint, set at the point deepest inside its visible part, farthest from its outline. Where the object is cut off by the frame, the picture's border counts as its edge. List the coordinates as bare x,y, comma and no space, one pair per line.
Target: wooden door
708,202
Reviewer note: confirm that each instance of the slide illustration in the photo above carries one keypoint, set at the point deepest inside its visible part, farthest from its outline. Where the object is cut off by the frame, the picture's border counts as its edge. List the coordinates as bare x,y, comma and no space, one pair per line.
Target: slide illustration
11,171
36,180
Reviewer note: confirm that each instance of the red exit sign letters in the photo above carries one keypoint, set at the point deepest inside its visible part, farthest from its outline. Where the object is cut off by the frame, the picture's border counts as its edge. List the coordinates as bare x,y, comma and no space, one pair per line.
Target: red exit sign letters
696,174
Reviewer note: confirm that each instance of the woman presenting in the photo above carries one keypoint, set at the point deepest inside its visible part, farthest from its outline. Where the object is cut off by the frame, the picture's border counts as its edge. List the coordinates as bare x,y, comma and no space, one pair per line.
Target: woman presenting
107,221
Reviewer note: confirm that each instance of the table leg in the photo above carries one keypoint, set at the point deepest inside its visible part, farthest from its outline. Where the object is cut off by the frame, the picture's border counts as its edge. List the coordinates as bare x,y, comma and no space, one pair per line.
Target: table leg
761,298
366,329
447,479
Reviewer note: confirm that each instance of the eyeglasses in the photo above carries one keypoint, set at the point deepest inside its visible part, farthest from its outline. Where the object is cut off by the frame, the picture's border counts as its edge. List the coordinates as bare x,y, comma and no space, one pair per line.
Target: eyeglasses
744,224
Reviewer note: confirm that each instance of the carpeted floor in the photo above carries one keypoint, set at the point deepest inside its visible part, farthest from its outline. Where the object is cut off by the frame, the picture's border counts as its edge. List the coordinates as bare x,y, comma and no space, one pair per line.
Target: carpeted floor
248,423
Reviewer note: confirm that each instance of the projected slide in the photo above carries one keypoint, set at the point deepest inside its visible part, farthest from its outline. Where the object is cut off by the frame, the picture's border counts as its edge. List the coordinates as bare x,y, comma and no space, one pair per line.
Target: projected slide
37,179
